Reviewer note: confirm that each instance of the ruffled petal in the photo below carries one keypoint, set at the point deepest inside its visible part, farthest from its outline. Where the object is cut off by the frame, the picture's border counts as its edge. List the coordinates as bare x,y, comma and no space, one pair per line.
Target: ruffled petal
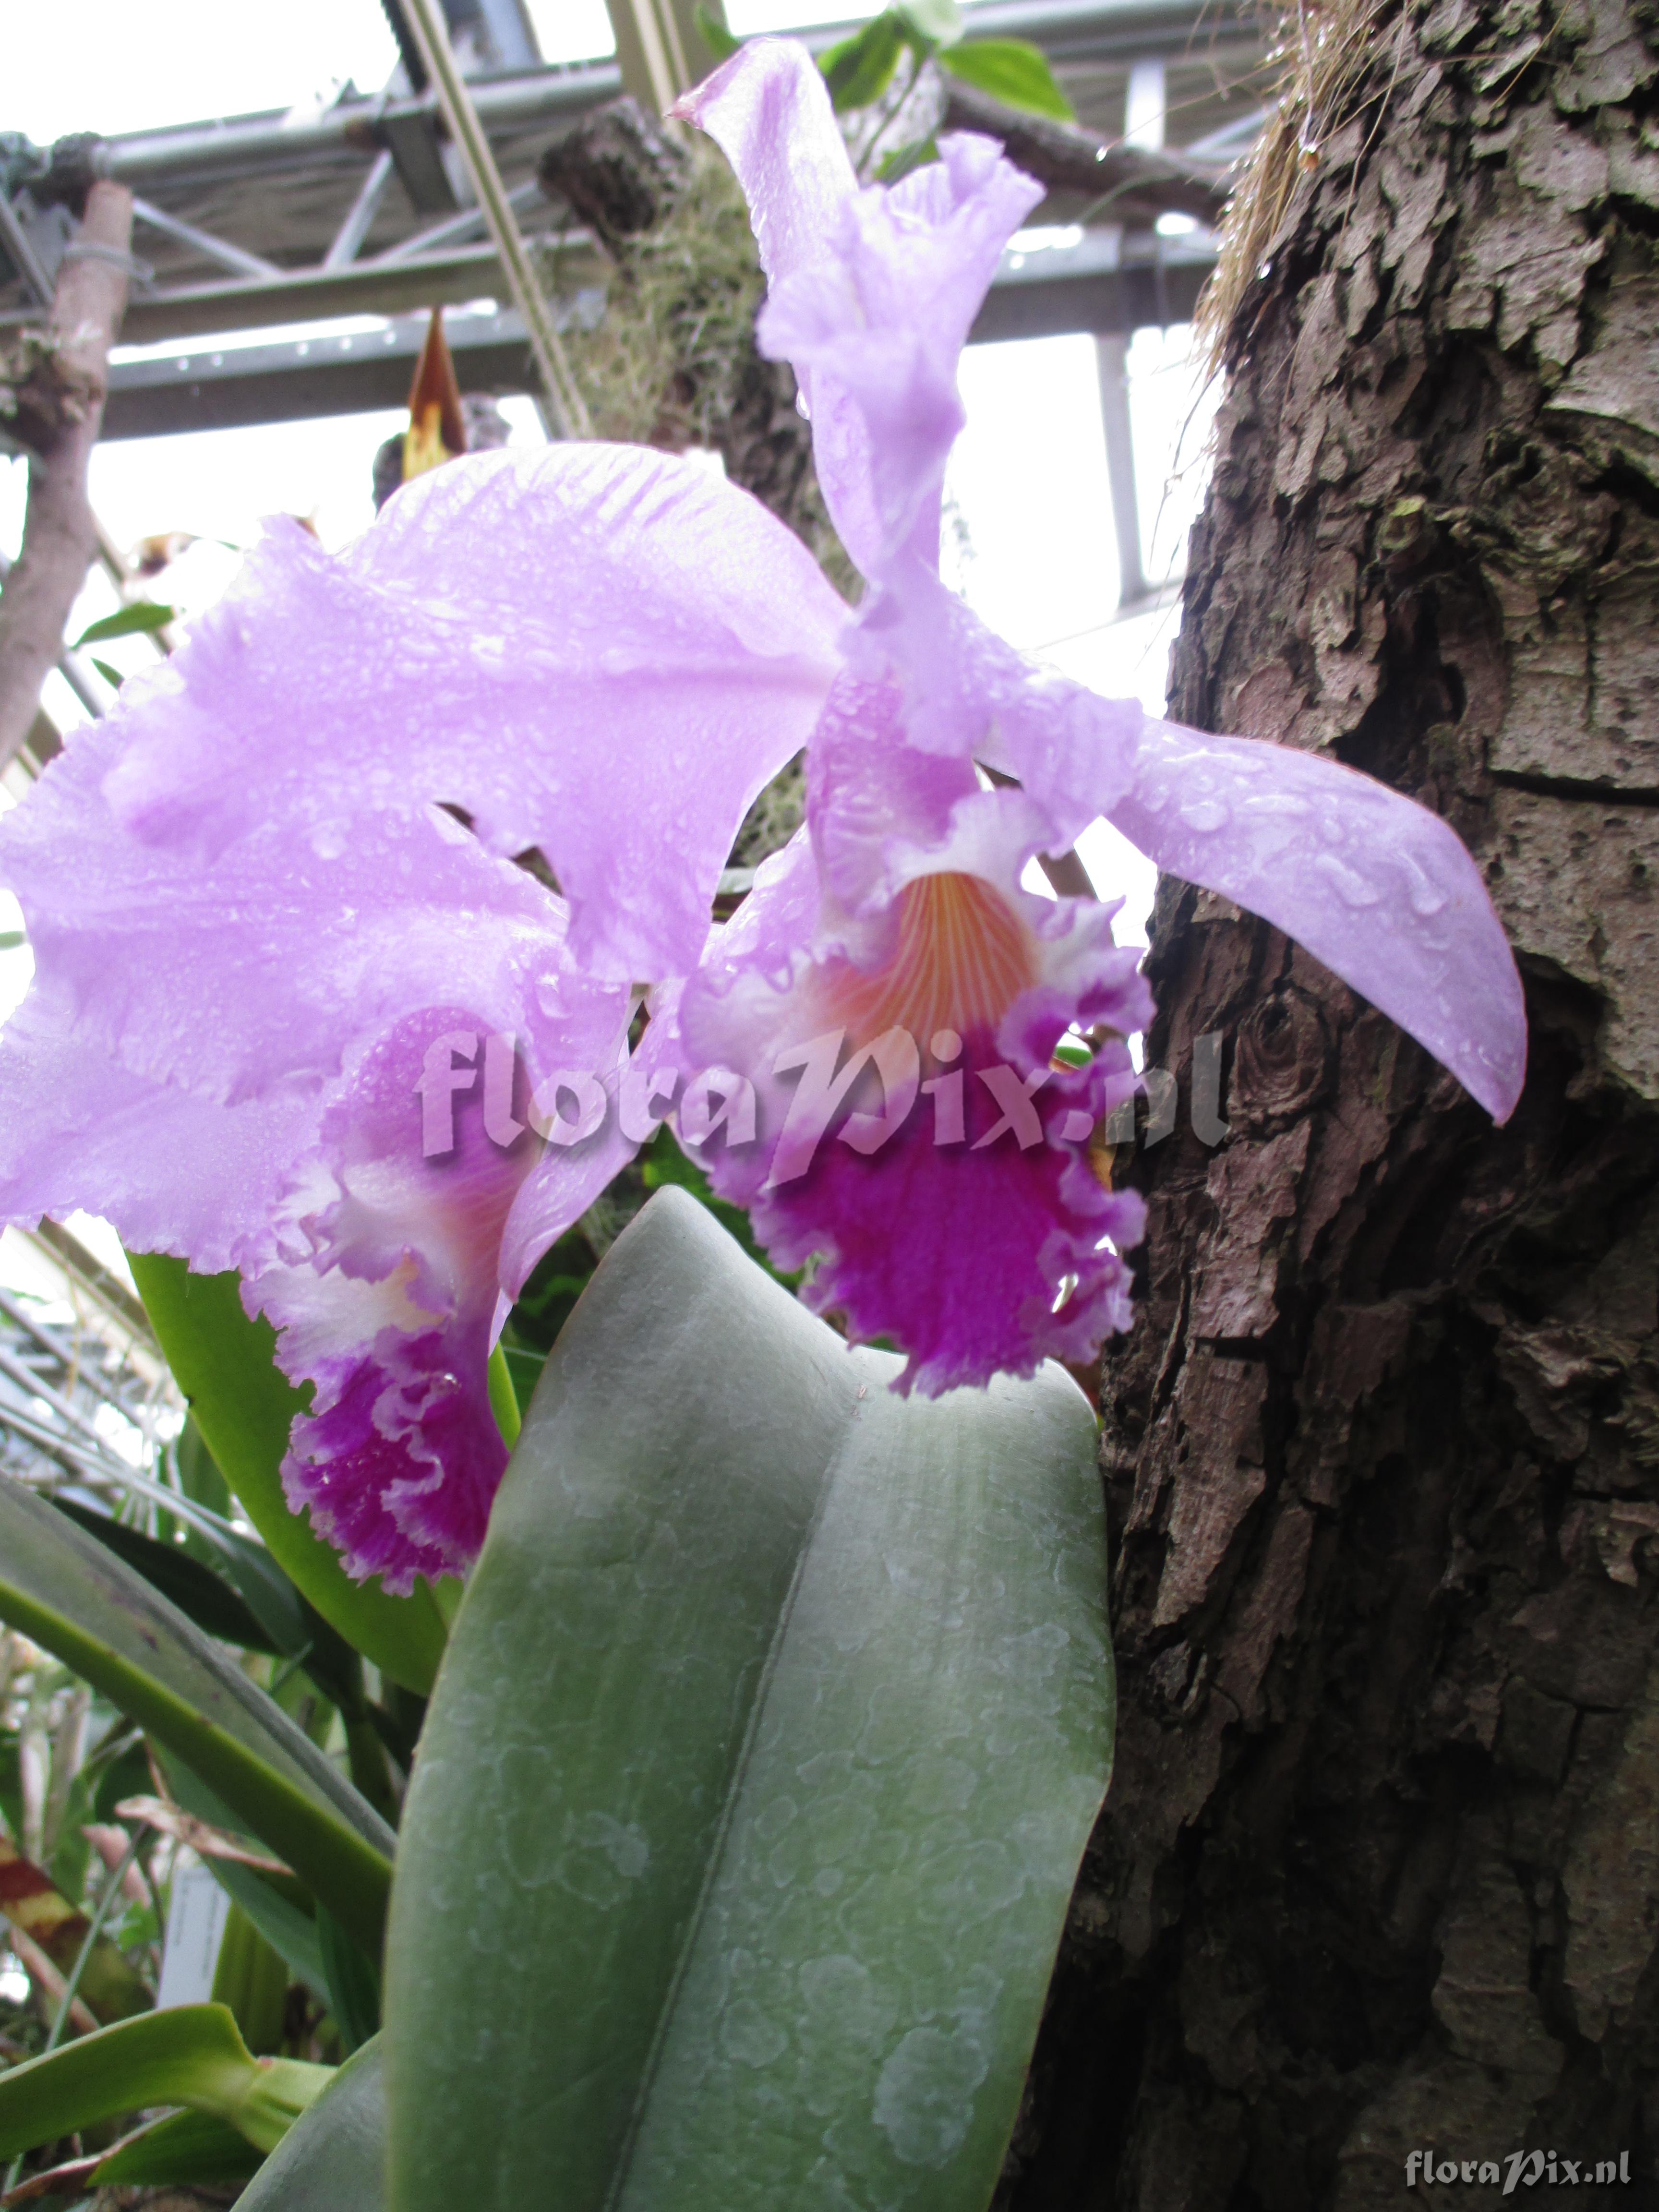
1382,892
598,652
958,1216
871,293
392,1308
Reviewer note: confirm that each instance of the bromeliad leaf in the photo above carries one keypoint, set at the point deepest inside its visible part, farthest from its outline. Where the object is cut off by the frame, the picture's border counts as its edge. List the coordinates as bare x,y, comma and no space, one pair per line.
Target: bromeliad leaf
772,1727
244,1407
1012,71
61,1587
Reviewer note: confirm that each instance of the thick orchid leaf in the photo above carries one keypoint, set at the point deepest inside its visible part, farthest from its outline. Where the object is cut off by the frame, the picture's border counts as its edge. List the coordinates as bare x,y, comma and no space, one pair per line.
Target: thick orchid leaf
1011,71
189,2055
244,1407
860,68
63,1589
751,1796
333,2157
183,2149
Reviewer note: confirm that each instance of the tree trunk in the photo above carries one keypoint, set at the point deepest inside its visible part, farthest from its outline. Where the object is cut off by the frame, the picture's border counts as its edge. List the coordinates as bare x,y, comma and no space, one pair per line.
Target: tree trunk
52,398
1379,1871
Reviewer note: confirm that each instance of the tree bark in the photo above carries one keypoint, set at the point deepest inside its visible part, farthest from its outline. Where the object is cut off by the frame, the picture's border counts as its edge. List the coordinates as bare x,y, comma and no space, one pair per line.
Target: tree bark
1379,1870
54,401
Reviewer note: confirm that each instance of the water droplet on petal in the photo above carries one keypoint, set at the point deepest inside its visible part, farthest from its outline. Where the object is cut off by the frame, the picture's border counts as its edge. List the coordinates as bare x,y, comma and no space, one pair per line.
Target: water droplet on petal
1205,815
1351,887
1426,897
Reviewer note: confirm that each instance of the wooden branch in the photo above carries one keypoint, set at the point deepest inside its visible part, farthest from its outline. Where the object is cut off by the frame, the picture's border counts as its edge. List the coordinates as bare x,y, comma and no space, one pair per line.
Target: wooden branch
58,410
1135,185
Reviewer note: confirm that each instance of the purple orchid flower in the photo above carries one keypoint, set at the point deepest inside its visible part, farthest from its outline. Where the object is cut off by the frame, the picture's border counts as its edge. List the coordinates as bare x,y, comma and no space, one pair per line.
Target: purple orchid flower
295,988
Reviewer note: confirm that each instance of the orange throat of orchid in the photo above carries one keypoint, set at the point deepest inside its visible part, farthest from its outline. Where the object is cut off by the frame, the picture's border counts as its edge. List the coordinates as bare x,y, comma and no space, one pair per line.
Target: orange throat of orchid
959,957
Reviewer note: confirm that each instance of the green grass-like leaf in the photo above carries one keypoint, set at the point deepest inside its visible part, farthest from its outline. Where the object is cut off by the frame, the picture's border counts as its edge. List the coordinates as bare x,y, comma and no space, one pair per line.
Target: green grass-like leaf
96,1613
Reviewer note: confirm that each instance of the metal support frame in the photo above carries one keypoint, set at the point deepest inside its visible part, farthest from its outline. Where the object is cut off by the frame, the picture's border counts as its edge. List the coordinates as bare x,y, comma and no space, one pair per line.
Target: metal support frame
1085,289
233,257
1112,353
19,251
658,51
453,232
1103,286
348,239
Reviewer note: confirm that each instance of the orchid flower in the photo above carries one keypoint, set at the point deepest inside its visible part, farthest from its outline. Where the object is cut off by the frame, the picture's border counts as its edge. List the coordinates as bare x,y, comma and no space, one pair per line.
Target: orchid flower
301,972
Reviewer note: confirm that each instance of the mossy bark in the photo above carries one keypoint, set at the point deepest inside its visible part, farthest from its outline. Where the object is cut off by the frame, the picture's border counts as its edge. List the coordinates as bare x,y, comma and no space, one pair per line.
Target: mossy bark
1379,1871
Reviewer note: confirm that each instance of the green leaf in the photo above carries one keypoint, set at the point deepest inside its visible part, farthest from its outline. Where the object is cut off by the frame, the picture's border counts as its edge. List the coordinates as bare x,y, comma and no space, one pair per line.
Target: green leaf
111,675
195,1589
354,1984
288,1925
333,2160
860,68
251,1977
177,2152
1011,71
713,30
243,1406
504,1397
61,1587
189,2055
773,1723
143,616
934,22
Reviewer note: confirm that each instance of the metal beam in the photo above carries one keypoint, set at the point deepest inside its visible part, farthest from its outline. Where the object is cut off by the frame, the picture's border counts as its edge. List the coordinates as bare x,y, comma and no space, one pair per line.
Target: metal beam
316,296
149,160
220,250
1087,288
1103,285
348,239
1097,30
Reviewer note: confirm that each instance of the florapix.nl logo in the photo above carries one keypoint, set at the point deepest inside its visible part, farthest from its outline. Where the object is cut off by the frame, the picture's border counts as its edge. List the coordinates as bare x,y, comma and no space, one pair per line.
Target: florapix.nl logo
570,1106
